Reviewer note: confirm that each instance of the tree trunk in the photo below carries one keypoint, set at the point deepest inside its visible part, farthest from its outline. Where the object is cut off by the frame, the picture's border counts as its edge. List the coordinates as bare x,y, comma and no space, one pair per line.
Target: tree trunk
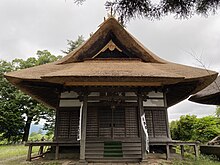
27,129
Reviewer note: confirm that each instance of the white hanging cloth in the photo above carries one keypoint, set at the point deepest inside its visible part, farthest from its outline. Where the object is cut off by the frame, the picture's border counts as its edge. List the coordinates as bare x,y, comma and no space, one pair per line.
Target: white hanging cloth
144,126
80,122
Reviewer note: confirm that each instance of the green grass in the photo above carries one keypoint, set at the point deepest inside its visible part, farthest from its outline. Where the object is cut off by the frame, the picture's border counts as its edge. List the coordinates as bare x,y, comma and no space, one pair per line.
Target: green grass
202,160
16,155
8,151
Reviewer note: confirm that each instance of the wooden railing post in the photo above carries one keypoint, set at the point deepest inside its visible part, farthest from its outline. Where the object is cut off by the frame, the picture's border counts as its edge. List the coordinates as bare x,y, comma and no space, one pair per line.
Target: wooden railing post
196,150
182,151
57,152
29,152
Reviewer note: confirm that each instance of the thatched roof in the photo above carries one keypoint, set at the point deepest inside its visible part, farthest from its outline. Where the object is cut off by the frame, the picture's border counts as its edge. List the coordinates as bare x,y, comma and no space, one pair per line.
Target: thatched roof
209,95
111,57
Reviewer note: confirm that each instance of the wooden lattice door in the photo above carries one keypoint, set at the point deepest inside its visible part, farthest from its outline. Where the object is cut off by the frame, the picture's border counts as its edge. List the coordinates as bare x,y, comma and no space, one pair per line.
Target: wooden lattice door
118,122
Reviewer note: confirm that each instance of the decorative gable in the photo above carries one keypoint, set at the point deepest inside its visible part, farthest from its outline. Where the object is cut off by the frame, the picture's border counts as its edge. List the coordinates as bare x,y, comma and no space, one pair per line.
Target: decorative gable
111,51
111,41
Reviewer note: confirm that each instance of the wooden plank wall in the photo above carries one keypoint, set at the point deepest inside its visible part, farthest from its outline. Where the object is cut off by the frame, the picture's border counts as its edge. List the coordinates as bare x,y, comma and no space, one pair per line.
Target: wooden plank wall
68,123
156,122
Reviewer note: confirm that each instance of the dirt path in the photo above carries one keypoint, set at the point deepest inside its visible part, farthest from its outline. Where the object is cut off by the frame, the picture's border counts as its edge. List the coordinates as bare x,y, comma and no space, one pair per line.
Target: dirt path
21,160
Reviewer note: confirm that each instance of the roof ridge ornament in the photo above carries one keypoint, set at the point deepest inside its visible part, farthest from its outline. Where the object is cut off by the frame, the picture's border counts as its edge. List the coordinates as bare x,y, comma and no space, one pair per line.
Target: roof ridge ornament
110,7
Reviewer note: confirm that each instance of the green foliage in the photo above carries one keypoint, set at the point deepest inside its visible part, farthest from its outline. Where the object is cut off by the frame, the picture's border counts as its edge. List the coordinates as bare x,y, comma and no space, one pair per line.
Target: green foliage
18,110
183,129
196,129
11,119
217,112
202,160
128,9
206,129
37,136
74,44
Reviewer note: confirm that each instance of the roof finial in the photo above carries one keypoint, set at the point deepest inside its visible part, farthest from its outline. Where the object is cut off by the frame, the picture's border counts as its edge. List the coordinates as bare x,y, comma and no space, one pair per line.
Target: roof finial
111,10
110,7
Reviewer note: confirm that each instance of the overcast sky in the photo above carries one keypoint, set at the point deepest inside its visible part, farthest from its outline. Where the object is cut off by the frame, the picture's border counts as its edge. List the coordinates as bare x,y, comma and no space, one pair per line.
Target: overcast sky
30,25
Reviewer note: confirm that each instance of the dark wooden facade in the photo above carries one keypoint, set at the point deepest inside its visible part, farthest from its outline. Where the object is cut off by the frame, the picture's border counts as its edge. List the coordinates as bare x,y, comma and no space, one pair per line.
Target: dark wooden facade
113,127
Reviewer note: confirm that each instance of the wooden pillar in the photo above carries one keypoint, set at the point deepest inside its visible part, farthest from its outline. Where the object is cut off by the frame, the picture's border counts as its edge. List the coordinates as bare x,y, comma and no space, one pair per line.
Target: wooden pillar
142,135
83,131
168,151
166,114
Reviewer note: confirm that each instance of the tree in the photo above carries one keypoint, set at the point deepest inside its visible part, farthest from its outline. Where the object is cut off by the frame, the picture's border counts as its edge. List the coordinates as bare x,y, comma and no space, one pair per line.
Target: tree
17,109
196,129
74,44
11,120
183,129
128,9
205,129
217,112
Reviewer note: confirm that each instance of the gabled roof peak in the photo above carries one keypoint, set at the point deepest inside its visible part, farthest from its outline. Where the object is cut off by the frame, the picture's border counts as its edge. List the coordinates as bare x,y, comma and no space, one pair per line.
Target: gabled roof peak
111,34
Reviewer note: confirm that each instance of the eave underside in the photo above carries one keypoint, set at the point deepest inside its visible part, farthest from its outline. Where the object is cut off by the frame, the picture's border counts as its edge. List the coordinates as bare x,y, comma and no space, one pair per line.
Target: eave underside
213,99
48,93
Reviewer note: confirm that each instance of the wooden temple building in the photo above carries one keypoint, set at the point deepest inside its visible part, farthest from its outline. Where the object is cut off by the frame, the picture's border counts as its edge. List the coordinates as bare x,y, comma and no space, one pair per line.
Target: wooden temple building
113,80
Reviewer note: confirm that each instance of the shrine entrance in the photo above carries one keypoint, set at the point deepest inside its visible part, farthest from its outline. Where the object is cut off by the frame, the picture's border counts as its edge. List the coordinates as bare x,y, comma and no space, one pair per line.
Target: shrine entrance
111,122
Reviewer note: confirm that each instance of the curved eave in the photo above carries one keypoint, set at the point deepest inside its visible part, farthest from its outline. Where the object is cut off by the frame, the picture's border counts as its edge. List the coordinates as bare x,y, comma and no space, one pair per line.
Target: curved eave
43,92
213,99
209,95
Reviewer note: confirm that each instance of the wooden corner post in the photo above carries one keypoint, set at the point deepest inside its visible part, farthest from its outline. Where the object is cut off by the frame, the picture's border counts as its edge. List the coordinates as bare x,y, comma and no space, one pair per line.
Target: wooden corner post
142,135
83,131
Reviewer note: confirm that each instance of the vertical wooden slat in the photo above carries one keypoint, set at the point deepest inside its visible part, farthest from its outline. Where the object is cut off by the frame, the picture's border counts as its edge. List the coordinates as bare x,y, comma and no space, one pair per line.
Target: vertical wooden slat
119,122
105,122
92,123
131,122
149,121
160,127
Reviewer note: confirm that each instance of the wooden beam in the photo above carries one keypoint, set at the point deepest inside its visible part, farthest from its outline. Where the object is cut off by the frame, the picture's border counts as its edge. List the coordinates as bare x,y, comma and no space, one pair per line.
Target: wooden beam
83,131
113,84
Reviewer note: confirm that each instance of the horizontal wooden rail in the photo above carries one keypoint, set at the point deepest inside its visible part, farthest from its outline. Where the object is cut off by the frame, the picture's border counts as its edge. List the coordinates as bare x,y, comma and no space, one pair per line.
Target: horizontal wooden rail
176,143
57,144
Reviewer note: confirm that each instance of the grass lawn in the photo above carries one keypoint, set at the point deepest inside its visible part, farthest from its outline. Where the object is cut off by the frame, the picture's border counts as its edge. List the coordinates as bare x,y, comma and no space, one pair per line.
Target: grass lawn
201,161
9,151
16,155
